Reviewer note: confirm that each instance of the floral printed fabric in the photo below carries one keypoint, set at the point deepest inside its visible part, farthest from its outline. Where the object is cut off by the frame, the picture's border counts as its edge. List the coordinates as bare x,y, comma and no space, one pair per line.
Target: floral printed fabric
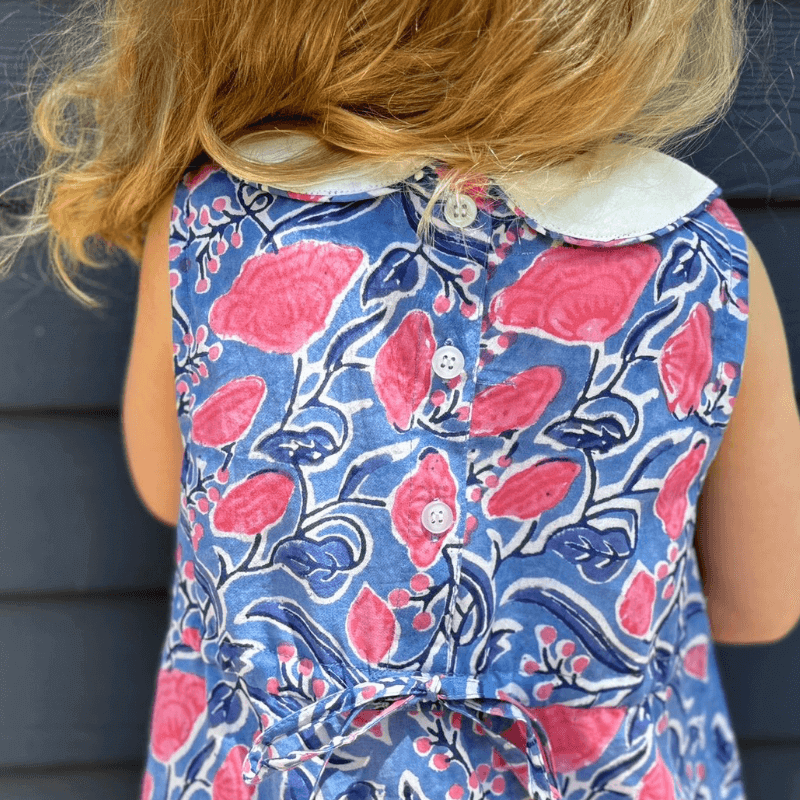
554,641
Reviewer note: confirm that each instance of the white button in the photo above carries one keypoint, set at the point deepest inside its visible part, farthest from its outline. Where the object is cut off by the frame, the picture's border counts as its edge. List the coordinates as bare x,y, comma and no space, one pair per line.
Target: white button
448,362
437,518
460,210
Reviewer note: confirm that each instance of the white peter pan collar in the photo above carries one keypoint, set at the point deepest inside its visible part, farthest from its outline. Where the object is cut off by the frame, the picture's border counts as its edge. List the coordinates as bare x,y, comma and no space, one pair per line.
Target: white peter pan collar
650,191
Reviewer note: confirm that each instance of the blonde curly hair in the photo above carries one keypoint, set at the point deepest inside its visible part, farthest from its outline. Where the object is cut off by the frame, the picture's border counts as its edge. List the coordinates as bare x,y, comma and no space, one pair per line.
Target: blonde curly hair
142,90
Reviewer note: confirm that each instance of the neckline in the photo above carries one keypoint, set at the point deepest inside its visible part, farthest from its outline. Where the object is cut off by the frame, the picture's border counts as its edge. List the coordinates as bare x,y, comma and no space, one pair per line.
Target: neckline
650,194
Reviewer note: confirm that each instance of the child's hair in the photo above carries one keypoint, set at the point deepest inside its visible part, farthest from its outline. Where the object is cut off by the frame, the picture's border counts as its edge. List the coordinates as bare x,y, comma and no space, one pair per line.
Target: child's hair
142,90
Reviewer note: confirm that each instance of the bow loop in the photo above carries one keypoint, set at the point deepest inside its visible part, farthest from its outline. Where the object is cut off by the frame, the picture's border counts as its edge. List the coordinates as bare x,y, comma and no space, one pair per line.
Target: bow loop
519,742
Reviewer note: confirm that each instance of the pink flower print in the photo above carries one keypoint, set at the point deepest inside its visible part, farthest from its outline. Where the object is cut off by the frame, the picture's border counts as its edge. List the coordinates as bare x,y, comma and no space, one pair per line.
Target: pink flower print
548,634
516,403
657,784
527,494
575,295
520,772
635,606
228,413
364,716
191,637
432,480
180,700
402,376
398,598
695,661
228,783
371,626
279,301
721,211
254,504
147,787
672,504
685,362
578,736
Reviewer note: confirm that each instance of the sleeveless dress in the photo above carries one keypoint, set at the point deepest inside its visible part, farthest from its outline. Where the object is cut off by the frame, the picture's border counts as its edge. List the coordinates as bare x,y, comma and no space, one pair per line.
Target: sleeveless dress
438,497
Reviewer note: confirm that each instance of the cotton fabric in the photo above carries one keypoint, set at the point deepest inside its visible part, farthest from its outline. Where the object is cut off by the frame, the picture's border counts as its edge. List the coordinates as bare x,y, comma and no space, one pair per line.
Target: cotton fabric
554,642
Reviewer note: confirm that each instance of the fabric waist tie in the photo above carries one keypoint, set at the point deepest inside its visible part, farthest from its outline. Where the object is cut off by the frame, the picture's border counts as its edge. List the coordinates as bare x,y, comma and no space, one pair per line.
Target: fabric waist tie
282,747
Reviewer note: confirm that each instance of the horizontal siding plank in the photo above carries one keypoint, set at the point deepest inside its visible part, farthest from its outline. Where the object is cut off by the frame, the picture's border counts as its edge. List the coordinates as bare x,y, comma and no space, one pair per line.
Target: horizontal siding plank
109,783
762,685
771,772
71,519
77,684
57,354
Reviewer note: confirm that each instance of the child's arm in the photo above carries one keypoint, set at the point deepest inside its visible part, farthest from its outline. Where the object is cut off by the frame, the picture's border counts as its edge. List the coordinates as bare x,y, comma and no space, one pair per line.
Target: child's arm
748,526
152,437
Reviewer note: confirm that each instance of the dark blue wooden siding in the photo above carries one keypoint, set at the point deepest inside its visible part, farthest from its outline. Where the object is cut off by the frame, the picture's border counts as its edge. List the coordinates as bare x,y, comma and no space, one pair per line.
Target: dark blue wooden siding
84,569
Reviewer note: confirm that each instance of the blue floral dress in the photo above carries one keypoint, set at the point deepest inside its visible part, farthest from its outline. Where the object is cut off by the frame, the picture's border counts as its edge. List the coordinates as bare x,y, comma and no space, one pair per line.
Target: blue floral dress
438,497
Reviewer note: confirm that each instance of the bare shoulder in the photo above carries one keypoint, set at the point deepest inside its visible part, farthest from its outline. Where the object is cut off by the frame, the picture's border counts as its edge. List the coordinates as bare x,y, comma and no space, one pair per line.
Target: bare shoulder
766,401
748,529
151,434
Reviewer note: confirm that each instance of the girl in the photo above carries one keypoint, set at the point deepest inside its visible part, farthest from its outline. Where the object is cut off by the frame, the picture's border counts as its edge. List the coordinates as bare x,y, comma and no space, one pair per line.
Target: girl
435,349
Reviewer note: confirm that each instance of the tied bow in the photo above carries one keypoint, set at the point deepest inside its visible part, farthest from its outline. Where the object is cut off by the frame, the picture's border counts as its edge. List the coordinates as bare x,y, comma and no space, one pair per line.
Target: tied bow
282,747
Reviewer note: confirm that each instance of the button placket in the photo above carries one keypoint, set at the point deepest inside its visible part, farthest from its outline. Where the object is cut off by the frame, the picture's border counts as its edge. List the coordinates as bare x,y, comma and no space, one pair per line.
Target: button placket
468,339
454,362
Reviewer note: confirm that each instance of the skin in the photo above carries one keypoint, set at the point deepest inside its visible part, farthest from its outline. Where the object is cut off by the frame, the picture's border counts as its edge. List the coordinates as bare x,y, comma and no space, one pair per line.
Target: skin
747,533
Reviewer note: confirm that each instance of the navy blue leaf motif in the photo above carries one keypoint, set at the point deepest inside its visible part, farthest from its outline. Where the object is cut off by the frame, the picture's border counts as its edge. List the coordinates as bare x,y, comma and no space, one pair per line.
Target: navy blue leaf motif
207,583
358,473
299,785
322,647
346,337
482,598
674,746
681,267
319,215
323,564
578,620
186,465
198,761
693,607
230,655
398,271
661,665
648,321
600,435
599,555
224,705
289,446
600,424
723,744
616,767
